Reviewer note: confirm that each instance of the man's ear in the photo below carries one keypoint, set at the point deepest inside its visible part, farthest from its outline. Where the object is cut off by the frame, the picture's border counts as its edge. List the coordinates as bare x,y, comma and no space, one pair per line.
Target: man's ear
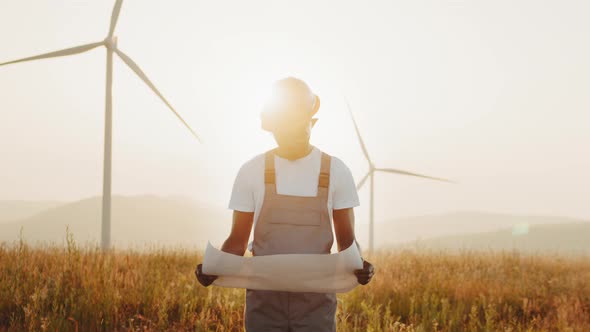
313,121
316,105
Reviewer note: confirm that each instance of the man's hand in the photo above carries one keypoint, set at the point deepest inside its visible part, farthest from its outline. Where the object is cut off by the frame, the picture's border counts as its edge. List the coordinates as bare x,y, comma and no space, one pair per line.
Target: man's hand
364,275
204,279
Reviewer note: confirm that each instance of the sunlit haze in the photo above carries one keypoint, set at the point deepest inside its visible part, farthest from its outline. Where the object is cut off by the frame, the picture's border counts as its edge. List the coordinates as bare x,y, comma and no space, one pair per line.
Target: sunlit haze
491,94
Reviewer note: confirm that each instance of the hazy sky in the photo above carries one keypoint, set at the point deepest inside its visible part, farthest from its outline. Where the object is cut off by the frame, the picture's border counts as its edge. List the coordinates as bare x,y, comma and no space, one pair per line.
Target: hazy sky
492,94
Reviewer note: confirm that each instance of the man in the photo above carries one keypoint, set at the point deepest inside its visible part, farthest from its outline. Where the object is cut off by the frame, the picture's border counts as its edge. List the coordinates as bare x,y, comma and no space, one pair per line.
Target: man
289,195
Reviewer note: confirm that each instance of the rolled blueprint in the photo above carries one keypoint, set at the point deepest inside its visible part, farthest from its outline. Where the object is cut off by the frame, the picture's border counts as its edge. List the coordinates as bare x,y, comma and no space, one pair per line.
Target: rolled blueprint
320,273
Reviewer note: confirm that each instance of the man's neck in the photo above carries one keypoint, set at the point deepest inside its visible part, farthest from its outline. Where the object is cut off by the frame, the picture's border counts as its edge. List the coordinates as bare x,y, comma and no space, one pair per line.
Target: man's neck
293,153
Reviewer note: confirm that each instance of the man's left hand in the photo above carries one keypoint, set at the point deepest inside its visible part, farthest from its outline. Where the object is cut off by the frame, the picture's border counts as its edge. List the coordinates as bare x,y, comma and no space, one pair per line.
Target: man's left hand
365,274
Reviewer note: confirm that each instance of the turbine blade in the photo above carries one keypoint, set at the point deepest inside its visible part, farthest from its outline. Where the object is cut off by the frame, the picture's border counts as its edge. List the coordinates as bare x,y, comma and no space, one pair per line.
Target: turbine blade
64,52
115,17
149,83
363,180
398,171
358,133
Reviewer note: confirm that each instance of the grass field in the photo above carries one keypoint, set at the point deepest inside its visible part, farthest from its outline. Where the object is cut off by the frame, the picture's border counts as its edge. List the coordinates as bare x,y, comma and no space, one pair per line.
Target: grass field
69,288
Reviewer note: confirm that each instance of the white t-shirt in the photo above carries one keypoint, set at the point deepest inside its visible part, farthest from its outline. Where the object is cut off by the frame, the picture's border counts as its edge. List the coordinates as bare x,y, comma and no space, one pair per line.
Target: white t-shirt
292,177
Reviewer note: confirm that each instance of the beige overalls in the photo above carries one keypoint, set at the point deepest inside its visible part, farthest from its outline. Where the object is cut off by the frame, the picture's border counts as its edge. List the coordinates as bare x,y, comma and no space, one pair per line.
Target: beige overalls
292,224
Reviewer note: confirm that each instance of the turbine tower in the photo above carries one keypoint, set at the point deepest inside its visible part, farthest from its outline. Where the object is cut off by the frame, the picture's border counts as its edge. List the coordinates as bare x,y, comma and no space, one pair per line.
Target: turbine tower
371,173
110,43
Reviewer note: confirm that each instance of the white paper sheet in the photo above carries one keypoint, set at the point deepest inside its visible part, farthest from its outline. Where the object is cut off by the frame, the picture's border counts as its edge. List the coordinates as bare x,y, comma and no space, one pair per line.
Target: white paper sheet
321,273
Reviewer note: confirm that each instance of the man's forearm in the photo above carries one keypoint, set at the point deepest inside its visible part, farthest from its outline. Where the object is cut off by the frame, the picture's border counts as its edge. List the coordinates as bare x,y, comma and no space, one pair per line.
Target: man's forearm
234,247
346,243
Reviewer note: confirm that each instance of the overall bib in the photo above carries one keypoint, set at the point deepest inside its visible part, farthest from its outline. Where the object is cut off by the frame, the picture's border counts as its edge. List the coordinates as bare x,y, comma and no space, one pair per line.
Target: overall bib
292,225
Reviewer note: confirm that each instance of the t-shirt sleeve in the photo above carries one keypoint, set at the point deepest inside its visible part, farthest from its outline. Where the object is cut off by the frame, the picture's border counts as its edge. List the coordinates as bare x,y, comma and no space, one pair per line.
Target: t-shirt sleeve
242,195
345,194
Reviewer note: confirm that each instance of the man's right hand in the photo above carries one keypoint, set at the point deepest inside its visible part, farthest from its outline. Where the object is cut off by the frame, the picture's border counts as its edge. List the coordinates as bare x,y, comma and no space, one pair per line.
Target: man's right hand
204,279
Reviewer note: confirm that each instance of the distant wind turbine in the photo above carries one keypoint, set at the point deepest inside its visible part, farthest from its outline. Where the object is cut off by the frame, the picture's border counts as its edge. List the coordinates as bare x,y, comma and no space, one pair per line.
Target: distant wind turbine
371,172
110,42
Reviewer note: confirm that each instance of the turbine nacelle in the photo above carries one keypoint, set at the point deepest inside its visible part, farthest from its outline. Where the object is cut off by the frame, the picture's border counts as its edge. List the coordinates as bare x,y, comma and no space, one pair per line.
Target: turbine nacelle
110,42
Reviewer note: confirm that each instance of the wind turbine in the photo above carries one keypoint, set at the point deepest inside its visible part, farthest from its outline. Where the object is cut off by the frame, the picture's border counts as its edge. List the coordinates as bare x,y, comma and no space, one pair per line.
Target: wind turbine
371,174
110,42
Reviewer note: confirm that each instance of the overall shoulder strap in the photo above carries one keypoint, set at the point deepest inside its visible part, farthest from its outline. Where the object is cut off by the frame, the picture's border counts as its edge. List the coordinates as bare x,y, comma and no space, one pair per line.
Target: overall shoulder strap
324,179
269,166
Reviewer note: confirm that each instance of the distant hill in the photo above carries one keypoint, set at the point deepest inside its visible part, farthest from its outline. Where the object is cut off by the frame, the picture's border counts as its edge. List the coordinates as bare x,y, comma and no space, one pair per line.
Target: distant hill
571,238
134,221
413,228
15,209
181,221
